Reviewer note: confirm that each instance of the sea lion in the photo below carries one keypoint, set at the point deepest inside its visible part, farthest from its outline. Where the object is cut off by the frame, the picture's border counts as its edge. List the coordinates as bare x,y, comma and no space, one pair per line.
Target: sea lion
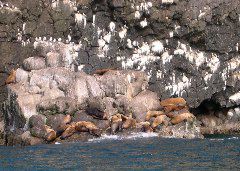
153,114
172,114
161,119
173,104
43,131
50,134
70,130
128,122
116,123
11,78
181,117
85,126
145,126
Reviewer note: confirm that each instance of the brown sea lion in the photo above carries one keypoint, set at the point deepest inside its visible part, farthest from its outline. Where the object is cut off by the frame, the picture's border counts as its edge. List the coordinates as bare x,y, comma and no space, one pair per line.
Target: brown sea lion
70,130
145,126
151,114
161,119
11,78
116,123
85,126
50,134
128,122
173,104
183,117
172,114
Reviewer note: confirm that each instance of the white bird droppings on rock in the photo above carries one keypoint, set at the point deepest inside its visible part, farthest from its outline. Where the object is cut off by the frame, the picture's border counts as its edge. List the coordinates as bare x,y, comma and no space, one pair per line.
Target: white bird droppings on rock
122,34
112,26
144,23
157,47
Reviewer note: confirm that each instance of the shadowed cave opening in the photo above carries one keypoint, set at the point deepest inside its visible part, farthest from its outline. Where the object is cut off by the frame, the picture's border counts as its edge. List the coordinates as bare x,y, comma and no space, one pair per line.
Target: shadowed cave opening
207,107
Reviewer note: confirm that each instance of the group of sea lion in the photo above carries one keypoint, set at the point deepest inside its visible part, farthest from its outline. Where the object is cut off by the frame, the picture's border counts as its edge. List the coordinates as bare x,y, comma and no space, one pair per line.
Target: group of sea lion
63,127
174,111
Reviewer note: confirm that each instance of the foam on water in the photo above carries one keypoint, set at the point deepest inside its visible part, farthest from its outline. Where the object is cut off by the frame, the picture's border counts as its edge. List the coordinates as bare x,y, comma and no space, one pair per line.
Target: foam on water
222,139
233,138
122,137
217,139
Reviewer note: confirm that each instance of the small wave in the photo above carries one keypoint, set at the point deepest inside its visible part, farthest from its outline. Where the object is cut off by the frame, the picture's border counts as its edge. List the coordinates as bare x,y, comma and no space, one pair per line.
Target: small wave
216,139
105,137
233,138
57,143
221,139
141,135
121,137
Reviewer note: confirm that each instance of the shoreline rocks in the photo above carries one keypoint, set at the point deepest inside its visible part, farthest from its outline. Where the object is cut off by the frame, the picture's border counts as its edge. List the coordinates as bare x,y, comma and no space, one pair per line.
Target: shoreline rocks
56,102
145,52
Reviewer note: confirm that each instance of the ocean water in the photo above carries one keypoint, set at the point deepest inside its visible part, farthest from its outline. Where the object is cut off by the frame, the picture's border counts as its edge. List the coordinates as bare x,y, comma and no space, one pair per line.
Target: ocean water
137,152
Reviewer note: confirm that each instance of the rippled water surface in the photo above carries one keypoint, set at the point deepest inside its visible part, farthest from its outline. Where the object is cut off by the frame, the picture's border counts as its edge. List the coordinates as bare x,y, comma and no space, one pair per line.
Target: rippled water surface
222,153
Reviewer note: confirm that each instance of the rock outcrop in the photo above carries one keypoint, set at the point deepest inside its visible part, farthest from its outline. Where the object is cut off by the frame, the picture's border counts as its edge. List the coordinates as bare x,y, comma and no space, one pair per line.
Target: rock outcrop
187,48
48,104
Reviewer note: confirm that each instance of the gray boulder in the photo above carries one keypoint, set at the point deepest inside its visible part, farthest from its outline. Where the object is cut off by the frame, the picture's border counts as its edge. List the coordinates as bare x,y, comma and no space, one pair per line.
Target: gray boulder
21,75
59,105
144,102
53,59
37,121
104,105
34,63
58,122
123,82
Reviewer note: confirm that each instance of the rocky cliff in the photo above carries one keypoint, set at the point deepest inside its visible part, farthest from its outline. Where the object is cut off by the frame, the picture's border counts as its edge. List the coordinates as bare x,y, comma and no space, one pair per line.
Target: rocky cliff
187,48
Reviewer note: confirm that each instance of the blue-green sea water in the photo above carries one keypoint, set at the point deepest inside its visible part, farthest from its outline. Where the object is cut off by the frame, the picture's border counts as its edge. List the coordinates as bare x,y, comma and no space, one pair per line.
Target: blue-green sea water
114,153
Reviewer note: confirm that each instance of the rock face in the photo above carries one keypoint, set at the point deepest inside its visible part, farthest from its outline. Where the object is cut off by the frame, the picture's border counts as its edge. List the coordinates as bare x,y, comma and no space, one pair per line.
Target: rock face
54,103
191,53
